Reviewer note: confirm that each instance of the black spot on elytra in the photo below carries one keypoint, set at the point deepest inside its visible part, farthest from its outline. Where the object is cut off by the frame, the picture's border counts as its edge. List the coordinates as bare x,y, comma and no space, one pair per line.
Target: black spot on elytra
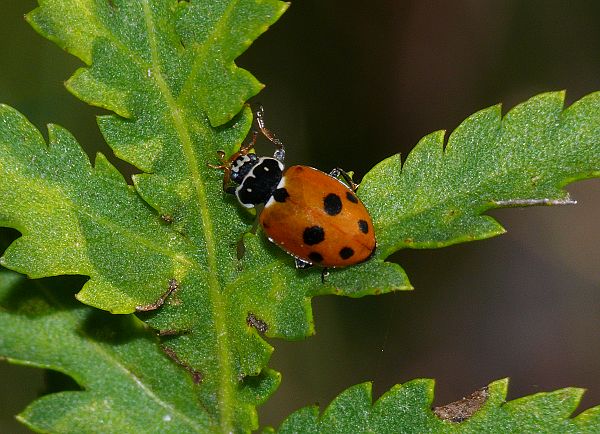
332,204
313,235
346,253
315,257
351,197
363,226
280,195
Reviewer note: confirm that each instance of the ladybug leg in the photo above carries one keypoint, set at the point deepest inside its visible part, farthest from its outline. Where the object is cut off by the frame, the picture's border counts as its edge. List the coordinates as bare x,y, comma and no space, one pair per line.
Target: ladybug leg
259,208
260,120
222,160
337,172
240,247
324,274
225,166
245,149
301,265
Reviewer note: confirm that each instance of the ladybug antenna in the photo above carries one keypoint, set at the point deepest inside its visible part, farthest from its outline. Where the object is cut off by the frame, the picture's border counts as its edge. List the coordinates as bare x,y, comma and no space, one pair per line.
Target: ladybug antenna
260,120
224,162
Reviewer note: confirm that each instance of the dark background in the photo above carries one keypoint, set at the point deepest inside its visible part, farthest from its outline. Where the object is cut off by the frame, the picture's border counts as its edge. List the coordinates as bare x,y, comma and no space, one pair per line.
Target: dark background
348,84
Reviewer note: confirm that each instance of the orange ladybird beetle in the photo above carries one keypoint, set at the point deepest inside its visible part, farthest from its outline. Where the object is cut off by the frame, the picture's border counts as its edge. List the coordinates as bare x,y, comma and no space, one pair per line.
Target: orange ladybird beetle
310,214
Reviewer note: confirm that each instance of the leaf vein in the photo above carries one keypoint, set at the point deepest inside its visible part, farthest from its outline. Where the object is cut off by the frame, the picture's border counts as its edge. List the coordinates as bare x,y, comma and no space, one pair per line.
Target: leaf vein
222,341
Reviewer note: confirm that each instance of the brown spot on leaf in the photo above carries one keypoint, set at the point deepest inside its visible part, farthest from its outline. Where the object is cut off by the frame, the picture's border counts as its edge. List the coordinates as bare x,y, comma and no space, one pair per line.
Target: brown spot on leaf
167,218
196,375
459,411
173,285
257,323
173,332
168,332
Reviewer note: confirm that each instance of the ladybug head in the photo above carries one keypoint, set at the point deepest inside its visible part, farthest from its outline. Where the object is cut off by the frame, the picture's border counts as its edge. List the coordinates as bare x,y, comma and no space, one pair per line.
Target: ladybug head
240,167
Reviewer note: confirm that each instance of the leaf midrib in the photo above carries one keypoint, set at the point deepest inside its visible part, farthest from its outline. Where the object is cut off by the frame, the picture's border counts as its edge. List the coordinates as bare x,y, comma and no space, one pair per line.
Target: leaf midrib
182,131
222,341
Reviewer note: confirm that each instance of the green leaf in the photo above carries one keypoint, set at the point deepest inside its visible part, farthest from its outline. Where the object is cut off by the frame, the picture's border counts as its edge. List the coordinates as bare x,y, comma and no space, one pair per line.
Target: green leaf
437,197
407,409
166,68
174,52
79,219
128,383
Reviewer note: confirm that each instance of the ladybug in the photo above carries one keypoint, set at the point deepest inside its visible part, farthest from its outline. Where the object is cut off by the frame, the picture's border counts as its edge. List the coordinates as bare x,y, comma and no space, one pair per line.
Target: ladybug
310,214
